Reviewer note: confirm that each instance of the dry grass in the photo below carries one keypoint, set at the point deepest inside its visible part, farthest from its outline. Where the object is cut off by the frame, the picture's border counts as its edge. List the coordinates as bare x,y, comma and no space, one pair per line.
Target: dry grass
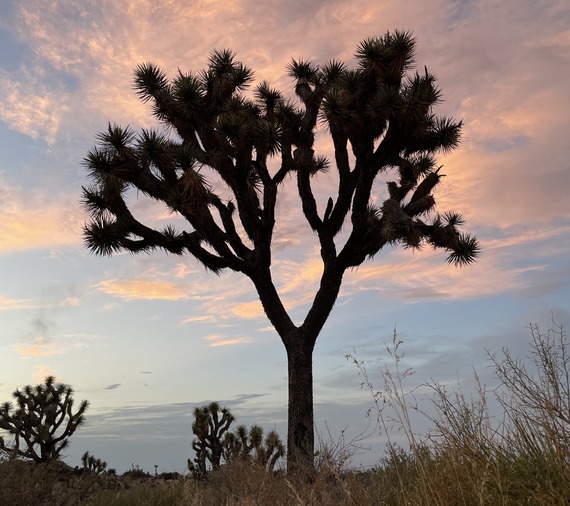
52,484
468,458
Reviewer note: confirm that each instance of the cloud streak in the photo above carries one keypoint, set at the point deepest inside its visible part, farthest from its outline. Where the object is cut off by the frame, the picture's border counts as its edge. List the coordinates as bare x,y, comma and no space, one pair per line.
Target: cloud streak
216,340
8,304
138,289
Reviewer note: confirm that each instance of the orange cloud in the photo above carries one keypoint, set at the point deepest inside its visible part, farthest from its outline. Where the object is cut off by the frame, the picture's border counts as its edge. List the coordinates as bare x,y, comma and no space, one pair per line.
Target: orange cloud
39,347
7,304
30,221
417,275
47,346
499,106
71,301
199,319
221,340
297,275
36,229
137,289
248,310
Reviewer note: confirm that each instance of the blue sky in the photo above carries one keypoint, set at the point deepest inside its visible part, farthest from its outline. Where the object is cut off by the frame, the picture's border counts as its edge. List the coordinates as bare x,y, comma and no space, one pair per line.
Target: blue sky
147,338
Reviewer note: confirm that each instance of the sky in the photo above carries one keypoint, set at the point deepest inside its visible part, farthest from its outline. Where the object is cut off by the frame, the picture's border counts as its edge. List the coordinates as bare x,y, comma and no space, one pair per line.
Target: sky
147,338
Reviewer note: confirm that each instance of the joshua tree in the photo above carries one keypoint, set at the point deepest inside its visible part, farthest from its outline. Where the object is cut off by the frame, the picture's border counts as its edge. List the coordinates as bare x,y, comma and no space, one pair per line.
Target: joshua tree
91,465
382,123
251,446
210,425
38,424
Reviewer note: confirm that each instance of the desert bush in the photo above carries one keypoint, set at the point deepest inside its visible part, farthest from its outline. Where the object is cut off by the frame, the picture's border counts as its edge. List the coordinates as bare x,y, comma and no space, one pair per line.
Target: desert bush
136,472
47,484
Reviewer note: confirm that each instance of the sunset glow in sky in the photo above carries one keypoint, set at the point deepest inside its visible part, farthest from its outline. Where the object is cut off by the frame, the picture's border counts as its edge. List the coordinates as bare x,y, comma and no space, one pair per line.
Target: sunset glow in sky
146,338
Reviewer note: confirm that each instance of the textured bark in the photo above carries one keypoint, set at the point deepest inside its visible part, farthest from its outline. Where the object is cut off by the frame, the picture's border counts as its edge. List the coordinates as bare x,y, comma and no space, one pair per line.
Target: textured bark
300,433
299,343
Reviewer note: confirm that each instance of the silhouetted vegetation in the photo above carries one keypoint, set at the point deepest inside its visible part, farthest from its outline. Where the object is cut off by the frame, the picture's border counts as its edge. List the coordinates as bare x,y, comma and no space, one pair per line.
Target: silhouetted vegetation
215,445
210,424
92,465
517,454
251,447
42,421
470,456
222,158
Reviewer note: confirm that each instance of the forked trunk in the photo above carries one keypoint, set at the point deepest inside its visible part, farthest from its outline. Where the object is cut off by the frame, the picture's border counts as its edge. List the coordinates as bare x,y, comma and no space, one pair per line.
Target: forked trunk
299,343
300,434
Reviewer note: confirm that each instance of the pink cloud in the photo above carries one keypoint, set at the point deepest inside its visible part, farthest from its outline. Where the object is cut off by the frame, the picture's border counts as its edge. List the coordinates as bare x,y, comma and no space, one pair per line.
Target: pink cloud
502,66
29,107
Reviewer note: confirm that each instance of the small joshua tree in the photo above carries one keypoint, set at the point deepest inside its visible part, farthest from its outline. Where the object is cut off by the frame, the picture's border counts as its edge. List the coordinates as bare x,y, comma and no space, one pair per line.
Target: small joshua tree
38,424
252,447
91,465
210,425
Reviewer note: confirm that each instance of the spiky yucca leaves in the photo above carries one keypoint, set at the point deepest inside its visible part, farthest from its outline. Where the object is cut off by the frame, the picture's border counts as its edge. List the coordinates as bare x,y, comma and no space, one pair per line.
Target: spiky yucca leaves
388,121
219,128
381,117
42,422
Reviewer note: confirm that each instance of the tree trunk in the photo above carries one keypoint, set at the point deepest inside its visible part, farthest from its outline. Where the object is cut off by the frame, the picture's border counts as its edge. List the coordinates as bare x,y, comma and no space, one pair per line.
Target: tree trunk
300,433
299,343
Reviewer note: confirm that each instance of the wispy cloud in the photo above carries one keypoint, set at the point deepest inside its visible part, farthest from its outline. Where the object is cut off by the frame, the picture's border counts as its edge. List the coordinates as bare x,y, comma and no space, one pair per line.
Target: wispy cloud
199,319
8,304
137,289
511,118
47,343
29,107
248,310
33,220
215,340
110,306
38,347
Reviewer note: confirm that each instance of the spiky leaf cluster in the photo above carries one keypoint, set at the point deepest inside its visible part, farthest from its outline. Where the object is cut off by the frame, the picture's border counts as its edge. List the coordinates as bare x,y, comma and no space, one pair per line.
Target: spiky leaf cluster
207,122
42,420
385,115
379,111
